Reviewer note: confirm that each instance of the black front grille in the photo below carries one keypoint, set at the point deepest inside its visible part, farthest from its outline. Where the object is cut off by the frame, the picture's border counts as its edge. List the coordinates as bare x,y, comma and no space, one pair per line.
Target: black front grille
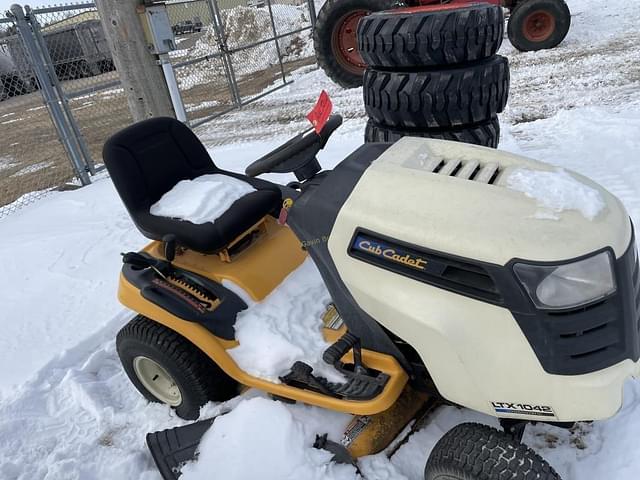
594,337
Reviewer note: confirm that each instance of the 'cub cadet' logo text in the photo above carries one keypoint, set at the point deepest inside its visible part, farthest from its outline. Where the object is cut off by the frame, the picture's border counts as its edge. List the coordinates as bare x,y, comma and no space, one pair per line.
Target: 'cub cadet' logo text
392,255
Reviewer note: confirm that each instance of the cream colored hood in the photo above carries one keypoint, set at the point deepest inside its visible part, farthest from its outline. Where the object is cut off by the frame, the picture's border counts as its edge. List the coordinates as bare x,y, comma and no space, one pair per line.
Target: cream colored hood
481,218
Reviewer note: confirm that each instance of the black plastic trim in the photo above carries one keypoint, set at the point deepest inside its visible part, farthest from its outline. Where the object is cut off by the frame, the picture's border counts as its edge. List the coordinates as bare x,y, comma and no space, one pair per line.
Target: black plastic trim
312,218
219,321
593,336
173,447
438,267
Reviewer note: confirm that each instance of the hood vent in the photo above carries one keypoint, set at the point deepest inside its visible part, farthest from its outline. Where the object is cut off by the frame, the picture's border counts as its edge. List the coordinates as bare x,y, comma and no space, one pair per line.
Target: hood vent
466,170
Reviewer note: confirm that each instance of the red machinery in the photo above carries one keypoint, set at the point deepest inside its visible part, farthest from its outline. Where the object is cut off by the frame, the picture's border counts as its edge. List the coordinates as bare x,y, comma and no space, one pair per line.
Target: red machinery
532,25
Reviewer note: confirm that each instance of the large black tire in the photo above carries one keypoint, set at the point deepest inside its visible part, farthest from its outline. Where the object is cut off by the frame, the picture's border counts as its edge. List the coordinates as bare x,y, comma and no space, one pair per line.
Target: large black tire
538,24
197,377
471,451
486,134
449,97
432,35
342,69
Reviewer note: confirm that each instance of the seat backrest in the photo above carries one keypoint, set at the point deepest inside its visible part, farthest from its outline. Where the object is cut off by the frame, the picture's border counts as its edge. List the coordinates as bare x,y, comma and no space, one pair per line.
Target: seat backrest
146,159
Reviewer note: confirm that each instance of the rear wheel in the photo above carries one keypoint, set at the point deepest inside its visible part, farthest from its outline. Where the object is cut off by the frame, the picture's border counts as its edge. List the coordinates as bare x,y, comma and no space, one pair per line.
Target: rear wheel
471,451
167,368
335,39
538,24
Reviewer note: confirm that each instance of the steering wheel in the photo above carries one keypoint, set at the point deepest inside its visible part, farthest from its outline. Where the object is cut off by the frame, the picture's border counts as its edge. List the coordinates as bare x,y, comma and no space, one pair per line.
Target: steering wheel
298,154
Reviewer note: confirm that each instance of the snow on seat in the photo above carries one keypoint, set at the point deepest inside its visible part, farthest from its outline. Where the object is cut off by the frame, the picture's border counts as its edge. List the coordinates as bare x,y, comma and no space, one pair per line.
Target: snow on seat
203,199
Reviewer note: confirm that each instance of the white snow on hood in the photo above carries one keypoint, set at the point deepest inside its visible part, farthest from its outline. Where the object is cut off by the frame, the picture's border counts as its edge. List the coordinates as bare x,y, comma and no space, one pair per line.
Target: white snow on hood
556,191
201,200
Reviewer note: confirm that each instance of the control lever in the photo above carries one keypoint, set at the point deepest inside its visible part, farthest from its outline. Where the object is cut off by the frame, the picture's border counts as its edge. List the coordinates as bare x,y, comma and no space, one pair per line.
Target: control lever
335,352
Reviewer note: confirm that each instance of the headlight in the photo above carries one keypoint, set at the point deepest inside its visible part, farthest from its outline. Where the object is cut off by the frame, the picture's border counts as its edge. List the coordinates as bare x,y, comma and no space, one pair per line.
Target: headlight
569,285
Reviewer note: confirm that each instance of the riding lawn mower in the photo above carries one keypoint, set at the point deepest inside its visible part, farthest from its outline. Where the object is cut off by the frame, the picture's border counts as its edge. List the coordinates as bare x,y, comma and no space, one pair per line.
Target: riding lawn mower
447,284
532,25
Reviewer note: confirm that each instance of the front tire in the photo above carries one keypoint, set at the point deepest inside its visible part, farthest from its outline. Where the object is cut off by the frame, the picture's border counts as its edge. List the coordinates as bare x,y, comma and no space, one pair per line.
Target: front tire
538,24
167,368
335,40
471,451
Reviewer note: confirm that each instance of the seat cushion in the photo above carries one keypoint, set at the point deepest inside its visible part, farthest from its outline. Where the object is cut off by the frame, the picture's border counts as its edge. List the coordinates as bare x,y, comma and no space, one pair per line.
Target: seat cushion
212,237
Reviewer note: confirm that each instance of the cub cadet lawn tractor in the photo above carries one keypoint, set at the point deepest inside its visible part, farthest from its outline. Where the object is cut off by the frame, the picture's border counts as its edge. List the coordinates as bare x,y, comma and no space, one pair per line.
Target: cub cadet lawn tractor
447,286
532,25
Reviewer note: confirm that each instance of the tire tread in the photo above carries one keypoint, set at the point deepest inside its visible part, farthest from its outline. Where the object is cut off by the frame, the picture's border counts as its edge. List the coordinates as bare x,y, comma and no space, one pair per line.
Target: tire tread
449,97
205,379
486,134
479,452
423,39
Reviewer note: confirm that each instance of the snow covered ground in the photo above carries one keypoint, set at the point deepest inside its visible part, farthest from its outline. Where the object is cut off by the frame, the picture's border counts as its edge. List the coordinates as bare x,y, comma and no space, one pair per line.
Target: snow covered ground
67,411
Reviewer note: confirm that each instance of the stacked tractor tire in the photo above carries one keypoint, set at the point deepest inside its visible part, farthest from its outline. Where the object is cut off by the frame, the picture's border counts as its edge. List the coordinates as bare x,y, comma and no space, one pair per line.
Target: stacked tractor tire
433,72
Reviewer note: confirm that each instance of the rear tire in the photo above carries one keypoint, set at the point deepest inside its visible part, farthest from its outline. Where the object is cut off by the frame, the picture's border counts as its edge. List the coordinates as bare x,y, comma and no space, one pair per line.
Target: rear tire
471,451
431,35
143,342
449,97
486,134
538,24
335,40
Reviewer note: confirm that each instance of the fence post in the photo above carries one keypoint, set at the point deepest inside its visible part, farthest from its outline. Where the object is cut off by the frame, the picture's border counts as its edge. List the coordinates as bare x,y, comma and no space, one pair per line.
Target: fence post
216,20
172,84
141,75
44,77
312,13
275,39
55,81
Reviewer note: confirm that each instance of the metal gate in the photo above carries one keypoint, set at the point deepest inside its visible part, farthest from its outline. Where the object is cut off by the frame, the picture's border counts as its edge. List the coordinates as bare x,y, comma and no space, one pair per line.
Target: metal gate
242,51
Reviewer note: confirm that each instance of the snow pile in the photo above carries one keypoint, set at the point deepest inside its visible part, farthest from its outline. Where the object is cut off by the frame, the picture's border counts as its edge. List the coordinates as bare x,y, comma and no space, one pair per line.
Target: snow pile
202,199
556,191
245,26
6,163
36,167
280,440
285,327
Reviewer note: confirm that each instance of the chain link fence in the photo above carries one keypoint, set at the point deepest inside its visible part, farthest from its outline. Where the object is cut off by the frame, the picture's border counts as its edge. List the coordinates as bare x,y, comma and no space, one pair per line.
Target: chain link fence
243,52
85,69
32,158
61,95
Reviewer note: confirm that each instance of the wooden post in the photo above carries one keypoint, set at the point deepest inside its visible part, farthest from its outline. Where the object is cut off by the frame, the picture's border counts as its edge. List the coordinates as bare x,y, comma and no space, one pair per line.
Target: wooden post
140,72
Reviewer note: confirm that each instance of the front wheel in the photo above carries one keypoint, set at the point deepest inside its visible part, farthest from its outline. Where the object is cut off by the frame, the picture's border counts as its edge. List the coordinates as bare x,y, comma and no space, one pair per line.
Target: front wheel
167,368
335,38
538,24
472,451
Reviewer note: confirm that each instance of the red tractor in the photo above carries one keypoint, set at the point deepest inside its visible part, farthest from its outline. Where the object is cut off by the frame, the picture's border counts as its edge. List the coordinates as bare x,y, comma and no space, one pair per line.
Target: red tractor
533,25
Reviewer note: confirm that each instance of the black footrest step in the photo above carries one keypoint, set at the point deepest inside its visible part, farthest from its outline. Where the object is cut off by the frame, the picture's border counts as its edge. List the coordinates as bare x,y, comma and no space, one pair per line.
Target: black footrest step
359,386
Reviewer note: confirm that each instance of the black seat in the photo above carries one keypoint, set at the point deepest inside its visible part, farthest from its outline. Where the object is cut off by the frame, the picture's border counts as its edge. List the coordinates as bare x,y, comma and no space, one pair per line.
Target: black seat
148,158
